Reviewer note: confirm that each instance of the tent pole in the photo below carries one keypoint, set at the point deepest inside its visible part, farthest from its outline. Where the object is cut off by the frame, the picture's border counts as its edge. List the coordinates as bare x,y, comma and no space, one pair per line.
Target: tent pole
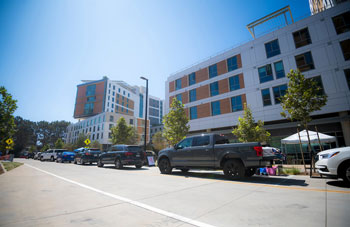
302,152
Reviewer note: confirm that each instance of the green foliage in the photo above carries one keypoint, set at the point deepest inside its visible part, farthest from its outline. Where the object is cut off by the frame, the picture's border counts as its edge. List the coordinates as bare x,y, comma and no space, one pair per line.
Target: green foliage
123,133
80,141
69,146
175,123
95,144
7,120
59,143
302,97
249,131
11,165
292,171
159,142
44,148
32,149
25,134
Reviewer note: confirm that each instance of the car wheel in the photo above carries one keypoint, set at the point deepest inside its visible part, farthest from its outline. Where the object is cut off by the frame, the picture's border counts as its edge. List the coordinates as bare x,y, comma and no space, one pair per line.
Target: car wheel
165,166
184,170
118,164
41,159
234,170
61,161
249,172
345,174
82,162
75,161
52,159
138,166
99,163
90,163
57,160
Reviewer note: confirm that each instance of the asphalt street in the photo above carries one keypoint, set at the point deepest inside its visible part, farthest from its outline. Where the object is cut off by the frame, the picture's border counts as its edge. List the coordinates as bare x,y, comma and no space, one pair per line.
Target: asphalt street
54,194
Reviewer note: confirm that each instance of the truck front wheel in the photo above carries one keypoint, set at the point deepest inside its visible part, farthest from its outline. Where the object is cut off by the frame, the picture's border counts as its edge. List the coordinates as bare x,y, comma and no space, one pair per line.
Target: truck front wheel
164,166
234,169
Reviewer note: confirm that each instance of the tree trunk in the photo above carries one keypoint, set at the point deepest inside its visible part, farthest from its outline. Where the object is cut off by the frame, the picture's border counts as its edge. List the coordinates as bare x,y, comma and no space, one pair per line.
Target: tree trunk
310,150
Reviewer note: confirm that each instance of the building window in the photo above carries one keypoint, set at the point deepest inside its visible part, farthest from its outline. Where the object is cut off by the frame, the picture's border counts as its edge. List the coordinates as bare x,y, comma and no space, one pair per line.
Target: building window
213,71
234,83
214,88
265,73
111,118
304,62
236,103
113,87
112,99
272,48
131,121
191,79
347,76
345,47
178,84
123,92
179,97
193,95
266,97
279,69
113,93
215,108
301,38
90,90
119,90
278,92
97,136
342,22
232,63
193,112
89,108
91,99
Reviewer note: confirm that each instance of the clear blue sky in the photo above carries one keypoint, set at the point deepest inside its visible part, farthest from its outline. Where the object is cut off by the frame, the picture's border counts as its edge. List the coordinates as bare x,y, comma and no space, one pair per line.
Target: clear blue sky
48,47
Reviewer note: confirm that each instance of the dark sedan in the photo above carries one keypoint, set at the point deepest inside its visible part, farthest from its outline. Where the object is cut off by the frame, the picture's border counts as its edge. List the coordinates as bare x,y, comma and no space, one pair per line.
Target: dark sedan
87,155
121,155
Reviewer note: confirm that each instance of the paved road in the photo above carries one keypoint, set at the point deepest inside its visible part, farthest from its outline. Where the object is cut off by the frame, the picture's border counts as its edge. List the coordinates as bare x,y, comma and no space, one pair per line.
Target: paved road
52,194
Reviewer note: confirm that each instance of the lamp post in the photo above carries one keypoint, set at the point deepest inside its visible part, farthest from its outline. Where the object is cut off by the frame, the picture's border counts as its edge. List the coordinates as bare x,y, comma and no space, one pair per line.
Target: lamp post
143,78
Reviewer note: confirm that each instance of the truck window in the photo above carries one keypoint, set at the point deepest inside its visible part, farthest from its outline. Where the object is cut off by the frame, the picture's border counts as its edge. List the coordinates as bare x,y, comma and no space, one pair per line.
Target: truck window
185,143
221,139
201,141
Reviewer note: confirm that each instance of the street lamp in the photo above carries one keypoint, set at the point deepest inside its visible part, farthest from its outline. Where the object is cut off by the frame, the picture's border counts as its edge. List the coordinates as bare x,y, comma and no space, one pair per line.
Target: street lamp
144,78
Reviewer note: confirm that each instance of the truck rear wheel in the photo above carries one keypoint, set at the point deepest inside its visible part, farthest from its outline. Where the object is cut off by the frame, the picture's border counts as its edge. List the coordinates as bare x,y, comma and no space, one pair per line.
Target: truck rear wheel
249,172
164,166
234,169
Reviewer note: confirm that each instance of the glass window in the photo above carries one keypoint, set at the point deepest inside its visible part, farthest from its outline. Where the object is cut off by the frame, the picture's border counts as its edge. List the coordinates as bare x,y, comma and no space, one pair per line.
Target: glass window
345,47
342,22
278,92
193,112
192,79
304,62
131,121
221,139
178,84
112,105
89,108
265,93
119,90
110,126
279,69
347,76
112,99
113,87
236,103
111,118
185,143
200,141
265,73
113,93
213,71
90,90
272,48
215,108
91,99
123,92
179,97
193,95
301,38
128,94
232,64
234,83
214,88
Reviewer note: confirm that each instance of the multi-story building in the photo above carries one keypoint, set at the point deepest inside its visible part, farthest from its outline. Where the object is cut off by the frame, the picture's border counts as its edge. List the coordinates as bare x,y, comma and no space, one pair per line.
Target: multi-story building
317,6
100,103
214,91
156,110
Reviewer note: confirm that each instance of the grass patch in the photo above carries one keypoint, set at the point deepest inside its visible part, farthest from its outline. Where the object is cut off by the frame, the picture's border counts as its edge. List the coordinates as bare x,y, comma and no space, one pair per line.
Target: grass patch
11,165
291,171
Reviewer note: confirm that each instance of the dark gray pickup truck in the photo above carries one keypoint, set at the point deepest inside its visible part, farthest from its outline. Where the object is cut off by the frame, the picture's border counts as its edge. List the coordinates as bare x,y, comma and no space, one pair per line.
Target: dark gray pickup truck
212,151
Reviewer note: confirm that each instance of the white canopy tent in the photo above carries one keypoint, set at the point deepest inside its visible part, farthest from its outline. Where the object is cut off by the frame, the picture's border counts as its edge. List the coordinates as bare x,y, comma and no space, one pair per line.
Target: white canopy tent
294,139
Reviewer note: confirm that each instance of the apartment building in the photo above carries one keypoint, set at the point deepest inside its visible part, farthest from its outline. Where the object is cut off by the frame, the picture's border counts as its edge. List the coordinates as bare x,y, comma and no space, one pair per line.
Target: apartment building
214,91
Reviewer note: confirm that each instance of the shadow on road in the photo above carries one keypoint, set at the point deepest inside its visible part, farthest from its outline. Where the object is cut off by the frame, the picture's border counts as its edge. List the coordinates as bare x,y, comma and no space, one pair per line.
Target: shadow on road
338,183
127,168
275,180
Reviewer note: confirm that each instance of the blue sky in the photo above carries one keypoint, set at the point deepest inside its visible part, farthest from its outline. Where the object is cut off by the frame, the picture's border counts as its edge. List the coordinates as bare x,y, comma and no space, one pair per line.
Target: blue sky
47,47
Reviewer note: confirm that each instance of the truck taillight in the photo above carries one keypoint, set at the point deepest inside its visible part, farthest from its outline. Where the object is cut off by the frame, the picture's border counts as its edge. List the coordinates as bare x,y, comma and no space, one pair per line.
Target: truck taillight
87,153
259,151
128,154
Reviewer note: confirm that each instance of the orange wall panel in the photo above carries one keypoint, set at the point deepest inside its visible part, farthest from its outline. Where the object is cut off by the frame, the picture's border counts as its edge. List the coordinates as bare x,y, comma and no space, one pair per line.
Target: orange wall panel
172,86
202,75
225,106
241,80
222,67
223,86
203,110
202,92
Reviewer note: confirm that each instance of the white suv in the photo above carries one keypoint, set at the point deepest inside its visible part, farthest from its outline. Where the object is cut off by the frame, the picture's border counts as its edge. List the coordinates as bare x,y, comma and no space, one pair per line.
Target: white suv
50,154
335,163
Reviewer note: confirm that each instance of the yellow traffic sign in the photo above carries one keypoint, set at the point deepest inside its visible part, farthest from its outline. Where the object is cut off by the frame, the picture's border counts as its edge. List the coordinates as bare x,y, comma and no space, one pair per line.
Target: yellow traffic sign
9,141
8,148
87,141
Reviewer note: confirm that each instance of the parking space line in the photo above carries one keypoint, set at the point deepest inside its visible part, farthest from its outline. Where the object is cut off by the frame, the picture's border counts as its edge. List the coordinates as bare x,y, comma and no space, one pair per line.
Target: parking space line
126,200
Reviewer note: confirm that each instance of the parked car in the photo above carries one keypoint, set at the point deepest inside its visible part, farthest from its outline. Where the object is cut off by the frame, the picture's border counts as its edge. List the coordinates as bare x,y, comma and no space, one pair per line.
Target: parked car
212,151
30,155
51,154
87,155
65,156
121,155
37,155
334,163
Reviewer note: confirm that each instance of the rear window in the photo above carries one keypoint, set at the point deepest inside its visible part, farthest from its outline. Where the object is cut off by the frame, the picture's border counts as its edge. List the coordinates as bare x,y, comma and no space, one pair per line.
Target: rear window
133,148
200,141
95,150
221,139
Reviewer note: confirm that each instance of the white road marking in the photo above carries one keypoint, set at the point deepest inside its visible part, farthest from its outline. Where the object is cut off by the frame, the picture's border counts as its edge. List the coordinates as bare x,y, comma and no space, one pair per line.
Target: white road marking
138,204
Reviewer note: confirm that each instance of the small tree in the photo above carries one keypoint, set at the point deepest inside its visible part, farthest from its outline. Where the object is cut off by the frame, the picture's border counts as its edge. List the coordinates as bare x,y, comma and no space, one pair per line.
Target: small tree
249,131
175,123
59,143
302,97
32,149
95,144
123,133
69,146
44,148
80,141
159,142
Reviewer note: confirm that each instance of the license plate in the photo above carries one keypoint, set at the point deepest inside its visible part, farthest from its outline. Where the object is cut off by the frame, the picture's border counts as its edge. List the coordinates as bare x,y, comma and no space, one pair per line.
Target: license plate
95,155
137,155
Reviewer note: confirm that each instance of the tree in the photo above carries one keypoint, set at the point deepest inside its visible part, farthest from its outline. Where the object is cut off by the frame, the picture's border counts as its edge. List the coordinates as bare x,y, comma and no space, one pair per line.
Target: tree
45,147
159,142
123,133
68,146
32,149
7,122
95,144
80,141
59,143
24,135
249,131
303,97
175,123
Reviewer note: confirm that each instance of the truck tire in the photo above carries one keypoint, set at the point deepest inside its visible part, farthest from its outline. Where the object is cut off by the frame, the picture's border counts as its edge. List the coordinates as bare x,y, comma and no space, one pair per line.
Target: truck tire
164,166
249,172
99,163
233,169
118,164
138,166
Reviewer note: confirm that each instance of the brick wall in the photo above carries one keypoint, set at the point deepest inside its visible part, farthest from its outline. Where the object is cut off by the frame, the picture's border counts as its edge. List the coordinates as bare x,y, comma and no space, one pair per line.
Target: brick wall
241,80
172,86
202,75
223,86
225,106
222,67
239,60
202,92
203,110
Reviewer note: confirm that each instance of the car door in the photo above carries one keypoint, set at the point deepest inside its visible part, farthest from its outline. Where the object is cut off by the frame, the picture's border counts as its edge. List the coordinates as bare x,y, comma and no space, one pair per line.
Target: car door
202,152
182,154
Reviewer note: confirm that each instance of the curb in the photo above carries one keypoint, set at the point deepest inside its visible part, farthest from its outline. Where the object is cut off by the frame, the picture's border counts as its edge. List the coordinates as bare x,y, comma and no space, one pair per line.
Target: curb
2,168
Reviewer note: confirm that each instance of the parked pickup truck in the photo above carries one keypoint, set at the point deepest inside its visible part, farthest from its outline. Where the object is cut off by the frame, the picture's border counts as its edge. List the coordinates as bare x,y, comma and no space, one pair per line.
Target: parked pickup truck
212,151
